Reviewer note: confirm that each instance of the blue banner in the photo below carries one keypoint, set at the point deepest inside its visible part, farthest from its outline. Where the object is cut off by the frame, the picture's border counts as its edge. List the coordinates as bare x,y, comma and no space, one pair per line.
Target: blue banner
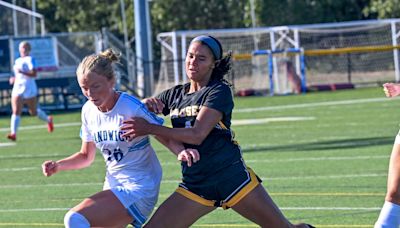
43,50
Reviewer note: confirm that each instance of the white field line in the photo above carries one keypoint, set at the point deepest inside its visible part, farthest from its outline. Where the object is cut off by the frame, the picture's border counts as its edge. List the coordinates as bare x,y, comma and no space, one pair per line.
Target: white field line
282,208
63,185
369,175
7,144
316,104
268,120
317,159
234,122
32,127
279,107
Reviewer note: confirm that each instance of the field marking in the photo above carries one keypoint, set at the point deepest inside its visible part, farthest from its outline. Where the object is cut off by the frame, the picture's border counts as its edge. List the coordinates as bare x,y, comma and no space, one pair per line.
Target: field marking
253,225
316,104
339,158
241,110
7,144
19,169
31,224
325,177
175,181
268,120
199,225
282,208
317,159
327,194
22,169
33,127
234,122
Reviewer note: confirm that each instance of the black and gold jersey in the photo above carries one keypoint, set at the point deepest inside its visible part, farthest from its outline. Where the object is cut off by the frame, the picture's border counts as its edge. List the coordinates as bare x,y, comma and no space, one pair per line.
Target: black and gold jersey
218,150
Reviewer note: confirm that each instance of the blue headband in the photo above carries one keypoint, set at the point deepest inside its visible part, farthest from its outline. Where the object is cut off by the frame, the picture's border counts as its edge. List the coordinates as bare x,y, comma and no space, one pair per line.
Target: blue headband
212,44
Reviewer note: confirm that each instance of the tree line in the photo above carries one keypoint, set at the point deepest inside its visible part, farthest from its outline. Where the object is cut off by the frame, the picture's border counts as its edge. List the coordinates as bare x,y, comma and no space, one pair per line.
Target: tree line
170,15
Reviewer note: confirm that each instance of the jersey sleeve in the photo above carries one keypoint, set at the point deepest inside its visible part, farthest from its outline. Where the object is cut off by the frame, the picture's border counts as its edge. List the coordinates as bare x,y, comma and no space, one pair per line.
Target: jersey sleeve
152,118
165,97
220,98
85,132
142,111
32,64
169,96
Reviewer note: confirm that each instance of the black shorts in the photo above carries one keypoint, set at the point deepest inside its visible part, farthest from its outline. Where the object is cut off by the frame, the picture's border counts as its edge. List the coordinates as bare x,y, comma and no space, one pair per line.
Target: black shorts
224,193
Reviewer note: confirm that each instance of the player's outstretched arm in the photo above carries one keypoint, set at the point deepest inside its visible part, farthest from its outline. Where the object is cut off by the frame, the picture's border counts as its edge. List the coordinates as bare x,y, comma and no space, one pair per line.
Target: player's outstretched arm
391,89
79,160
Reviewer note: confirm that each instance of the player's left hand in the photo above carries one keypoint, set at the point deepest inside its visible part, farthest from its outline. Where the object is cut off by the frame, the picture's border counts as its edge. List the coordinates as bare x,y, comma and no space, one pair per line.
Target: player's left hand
189,155
135,127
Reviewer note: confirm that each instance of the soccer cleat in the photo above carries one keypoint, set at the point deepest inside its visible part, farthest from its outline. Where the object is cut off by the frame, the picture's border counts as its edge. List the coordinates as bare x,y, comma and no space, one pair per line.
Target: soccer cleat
12,137
310,226
50,125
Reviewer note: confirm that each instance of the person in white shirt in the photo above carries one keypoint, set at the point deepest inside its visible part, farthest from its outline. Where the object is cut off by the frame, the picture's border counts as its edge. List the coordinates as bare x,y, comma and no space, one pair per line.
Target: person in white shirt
25,91
133,172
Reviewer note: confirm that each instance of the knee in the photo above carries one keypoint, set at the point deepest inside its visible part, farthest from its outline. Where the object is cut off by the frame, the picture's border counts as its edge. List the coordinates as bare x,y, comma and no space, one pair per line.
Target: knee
75,220
393,195
33,112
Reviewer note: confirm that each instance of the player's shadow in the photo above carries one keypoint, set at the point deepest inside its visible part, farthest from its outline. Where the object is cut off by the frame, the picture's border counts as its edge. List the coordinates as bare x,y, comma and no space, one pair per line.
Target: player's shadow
325,145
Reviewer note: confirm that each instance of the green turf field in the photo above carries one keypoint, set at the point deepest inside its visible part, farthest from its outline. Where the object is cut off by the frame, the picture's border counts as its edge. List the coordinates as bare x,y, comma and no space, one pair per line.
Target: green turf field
323,157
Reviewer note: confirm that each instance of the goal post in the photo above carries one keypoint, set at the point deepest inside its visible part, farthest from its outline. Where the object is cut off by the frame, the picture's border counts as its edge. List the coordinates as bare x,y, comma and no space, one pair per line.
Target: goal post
286,70
359,53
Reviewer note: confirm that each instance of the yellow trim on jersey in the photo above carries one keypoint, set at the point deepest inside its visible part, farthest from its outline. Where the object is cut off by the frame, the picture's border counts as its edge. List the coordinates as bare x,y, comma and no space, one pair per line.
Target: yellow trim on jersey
222,125
244,192
232,132
194,197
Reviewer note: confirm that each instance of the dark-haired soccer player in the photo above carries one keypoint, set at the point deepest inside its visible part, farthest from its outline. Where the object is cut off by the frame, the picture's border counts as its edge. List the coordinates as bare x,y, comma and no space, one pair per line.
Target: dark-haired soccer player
201,113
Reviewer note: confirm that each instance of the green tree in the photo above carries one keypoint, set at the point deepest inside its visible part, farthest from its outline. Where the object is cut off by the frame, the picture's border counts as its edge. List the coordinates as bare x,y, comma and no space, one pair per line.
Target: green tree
292,12
77,15
383,9
169,15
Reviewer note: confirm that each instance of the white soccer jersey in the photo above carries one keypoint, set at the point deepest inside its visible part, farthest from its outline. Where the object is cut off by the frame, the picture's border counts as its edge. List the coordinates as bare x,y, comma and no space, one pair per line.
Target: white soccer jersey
24,85
134,159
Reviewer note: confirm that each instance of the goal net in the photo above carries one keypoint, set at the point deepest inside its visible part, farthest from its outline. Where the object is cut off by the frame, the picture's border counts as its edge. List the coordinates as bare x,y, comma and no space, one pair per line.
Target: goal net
286,74
18,21
359,53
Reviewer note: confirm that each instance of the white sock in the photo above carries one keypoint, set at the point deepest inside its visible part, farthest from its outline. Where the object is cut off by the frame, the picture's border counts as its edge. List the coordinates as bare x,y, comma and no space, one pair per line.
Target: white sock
14,123
389,216
42,115
75,220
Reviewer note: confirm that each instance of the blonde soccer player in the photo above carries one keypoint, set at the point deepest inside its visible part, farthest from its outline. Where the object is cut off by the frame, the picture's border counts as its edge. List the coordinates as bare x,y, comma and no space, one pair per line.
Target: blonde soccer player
201,112
133,172
25,91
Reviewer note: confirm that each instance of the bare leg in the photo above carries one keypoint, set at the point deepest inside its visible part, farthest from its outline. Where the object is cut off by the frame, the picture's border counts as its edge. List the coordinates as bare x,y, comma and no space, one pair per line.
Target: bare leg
32,105
104,210
179,211
259,208
393,191
17,103
390,212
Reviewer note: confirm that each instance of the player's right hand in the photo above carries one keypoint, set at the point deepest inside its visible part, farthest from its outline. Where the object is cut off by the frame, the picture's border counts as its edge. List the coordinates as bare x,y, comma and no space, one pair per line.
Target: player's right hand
154,104
49,168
